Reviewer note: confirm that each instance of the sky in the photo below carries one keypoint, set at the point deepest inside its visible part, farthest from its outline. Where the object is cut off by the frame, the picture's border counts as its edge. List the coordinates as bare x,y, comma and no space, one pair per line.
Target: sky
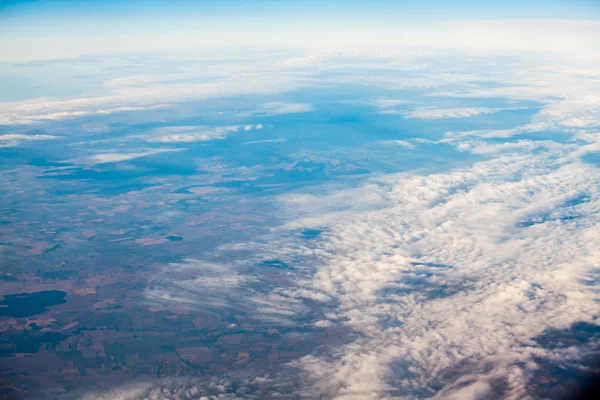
55,29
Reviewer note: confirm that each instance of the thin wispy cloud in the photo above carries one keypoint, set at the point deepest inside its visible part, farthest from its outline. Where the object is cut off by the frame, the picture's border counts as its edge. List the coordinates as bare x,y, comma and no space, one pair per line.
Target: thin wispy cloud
156,95
279,108
29,114
14,139
103,158
479,147
266,141
187,134
383,105
441,113
403,143
200,285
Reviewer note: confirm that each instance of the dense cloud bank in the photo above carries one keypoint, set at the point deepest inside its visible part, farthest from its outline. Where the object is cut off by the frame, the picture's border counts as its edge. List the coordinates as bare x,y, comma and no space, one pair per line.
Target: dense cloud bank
452,281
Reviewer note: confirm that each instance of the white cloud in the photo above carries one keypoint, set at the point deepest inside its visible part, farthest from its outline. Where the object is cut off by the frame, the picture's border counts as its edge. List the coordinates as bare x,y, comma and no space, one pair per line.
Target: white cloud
384,105
14,139
186,134
440,113
266,141
567,101
157,95
449,257
402,143
480,147
251,127
498,133
17,136
558,36
279,108
26,114
593,147
581,112
198,284
210,388
285,108
103,158
475,391
485,36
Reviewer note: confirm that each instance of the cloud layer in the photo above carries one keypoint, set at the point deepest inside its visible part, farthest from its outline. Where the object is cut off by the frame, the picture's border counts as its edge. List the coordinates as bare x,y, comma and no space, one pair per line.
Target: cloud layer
440,113
456,276
104,158
448,278
13,139
187,134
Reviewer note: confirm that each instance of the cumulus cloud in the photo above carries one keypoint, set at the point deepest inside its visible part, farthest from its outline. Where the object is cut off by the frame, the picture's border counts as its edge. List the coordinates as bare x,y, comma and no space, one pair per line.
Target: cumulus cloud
581,112
450,278
251,127
471,264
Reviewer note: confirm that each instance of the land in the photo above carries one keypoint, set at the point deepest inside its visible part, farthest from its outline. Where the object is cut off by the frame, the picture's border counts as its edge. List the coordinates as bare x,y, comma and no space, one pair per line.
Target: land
105,333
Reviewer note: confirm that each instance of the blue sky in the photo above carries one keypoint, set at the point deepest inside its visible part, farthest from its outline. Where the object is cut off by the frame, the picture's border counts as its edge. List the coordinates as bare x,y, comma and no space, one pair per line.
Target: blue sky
33,30
294,8
66,16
